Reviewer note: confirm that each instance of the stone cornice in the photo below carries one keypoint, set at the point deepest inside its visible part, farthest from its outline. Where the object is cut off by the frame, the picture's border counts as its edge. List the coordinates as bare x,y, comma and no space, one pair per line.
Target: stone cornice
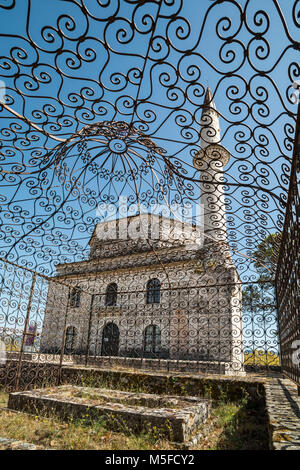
128,269
143,260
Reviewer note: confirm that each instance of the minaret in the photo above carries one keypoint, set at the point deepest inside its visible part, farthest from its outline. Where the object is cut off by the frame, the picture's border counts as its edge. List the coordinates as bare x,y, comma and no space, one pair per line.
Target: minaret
210,160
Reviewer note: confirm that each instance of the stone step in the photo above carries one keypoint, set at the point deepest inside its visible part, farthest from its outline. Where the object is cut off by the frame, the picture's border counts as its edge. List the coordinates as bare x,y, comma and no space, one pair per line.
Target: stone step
173,417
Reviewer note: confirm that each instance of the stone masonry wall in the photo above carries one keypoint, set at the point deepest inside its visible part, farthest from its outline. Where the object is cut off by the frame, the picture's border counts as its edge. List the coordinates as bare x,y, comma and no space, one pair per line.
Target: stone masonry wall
199,314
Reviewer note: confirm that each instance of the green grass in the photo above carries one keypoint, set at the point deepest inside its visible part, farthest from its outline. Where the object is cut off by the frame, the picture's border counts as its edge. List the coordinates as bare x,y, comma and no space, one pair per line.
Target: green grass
239,427
3,398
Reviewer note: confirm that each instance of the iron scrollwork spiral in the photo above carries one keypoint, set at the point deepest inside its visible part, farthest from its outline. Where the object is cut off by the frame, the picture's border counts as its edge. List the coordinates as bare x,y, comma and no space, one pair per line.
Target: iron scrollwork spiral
106,99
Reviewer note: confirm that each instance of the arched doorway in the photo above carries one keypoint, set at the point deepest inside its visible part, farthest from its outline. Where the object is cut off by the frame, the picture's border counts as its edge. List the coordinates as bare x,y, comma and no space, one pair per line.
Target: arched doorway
110,340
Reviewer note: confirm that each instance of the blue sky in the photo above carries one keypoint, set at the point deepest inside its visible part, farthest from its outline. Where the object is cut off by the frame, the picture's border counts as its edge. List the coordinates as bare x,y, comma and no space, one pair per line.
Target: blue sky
56,50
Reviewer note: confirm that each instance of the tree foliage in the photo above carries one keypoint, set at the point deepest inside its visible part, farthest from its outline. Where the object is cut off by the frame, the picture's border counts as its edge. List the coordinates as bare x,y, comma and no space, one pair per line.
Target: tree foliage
259,297
261,358
265,256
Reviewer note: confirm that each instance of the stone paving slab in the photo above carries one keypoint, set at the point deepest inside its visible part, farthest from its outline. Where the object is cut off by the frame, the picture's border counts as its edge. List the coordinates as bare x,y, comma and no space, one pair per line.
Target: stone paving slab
13,444
283,406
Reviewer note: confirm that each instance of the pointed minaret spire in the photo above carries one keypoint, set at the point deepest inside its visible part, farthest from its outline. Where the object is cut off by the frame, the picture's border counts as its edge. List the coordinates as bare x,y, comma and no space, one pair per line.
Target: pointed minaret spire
208,101
210,160
210,124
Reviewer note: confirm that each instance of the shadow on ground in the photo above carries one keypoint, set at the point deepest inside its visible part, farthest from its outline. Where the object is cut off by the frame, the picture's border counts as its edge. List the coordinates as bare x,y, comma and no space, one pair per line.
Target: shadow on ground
247,430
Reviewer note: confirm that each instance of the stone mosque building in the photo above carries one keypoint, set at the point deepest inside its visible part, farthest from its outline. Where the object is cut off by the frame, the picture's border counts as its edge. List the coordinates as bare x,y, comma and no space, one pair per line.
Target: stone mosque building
168,291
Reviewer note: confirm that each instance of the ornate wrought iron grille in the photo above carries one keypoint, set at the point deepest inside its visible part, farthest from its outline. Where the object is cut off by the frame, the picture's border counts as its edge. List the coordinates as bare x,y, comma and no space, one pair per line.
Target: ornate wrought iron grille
106,116
287,278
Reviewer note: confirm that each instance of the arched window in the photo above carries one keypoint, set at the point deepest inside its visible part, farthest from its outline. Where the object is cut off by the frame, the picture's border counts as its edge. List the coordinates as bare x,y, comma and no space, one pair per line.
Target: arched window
75,297
71,334
152,339
111,294
153,291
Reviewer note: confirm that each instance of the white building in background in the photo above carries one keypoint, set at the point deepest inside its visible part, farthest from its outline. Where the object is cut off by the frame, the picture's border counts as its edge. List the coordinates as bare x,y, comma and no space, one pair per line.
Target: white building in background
165,292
